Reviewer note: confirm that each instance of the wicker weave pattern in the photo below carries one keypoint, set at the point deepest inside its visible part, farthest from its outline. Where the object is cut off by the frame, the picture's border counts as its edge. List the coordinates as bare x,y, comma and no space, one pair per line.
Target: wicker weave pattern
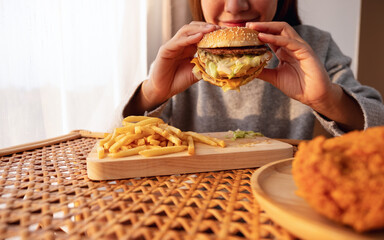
45,194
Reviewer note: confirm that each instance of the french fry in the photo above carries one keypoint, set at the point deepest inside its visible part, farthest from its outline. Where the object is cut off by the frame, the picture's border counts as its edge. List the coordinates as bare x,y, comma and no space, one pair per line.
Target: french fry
175,140
149,121
161,138
126,147
175,130
126,124
191,146
219,142
111,141
138,129
150,136
132,137
126,129
155,136
147,130
106,139
159,131
118,144
119,137
172,129
152,147
162,151
100,152
151,139
141,142
131,119
201,138
128,152
154,142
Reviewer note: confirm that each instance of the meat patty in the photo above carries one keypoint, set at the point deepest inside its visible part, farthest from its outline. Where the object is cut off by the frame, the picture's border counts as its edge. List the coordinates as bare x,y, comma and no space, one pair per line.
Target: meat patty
257,50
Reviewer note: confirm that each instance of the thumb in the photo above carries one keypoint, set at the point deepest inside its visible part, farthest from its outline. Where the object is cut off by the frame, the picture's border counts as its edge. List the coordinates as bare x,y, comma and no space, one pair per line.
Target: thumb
268,75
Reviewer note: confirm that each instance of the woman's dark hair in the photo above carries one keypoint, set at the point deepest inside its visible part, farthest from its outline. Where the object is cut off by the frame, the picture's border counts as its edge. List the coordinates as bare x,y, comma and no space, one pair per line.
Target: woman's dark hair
286,11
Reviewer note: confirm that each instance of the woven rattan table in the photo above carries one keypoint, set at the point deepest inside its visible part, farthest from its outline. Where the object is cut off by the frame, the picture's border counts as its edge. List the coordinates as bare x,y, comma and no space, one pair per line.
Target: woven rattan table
45,194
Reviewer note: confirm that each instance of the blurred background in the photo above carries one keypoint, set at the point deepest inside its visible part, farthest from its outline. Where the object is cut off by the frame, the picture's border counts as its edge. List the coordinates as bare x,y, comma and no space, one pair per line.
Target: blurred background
66,64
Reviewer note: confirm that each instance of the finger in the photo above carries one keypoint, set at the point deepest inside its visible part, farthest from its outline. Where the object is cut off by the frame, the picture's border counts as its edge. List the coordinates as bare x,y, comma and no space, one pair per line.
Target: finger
268,75
199,23
191,29
174,47
276,42
275,28
267,27
188,35
191,34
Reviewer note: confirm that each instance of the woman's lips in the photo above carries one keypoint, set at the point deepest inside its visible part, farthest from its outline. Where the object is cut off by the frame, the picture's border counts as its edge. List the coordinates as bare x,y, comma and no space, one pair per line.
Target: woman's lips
239,23
234,24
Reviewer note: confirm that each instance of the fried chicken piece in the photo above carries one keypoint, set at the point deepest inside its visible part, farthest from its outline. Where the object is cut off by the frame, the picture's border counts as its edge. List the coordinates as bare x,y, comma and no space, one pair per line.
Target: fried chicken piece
342,178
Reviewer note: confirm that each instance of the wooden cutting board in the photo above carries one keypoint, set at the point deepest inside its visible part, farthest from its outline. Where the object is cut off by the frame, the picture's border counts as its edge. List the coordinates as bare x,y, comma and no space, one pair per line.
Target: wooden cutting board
274,189
239,153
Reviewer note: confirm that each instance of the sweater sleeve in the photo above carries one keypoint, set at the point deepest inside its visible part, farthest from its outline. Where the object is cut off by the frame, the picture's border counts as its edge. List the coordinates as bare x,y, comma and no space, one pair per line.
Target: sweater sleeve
369,100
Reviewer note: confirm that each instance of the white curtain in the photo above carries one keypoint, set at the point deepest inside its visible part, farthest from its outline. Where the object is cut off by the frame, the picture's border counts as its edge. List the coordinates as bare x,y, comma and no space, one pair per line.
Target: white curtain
65,64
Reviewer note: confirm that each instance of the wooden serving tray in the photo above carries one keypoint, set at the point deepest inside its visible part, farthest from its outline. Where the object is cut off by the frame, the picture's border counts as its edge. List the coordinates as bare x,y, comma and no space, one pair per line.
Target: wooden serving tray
274,189
239,153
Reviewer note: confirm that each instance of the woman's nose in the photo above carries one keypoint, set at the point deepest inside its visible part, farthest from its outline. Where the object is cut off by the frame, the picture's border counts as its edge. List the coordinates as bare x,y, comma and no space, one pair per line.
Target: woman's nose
236,6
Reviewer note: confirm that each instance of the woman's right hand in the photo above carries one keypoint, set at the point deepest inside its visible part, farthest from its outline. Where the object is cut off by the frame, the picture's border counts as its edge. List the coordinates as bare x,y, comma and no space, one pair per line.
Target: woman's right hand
172,70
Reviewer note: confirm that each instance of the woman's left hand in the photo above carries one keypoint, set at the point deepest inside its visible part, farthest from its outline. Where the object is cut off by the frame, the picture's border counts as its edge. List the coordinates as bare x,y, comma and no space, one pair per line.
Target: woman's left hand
300,74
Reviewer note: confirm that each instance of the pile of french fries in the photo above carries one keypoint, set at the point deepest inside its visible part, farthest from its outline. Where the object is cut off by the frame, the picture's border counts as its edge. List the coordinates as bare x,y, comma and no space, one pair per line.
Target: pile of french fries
150,136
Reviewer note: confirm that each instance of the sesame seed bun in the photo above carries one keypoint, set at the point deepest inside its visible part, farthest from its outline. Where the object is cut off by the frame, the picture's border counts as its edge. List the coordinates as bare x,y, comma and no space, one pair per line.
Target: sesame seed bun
230,57
230,37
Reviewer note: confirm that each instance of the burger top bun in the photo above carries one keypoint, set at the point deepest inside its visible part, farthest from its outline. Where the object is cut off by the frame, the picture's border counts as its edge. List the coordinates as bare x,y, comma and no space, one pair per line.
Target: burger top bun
230,37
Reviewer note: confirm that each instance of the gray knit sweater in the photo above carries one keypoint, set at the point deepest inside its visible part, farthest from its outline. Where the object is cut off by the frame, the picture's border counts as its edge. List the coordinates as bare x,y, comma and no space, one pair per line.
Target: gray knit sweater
261,107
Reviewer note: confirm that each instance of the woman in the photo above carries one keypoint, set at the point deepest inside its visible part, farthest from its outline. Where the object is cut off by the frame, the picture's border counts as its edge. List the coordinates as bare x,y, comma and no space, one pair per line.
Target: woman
308,78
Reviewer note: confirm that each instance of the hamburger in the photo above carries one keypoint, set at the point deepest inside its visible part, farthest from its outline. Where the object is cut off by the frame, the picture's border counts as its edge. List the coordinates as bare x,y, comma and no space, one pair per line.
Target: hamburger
230,57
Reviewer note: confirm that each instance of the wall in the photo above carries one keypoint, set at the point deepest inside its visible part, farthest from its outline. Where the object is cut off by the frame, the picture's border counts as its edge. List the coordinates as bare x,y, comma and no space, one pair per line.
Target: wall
371,51
154,30
165,18
341,18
